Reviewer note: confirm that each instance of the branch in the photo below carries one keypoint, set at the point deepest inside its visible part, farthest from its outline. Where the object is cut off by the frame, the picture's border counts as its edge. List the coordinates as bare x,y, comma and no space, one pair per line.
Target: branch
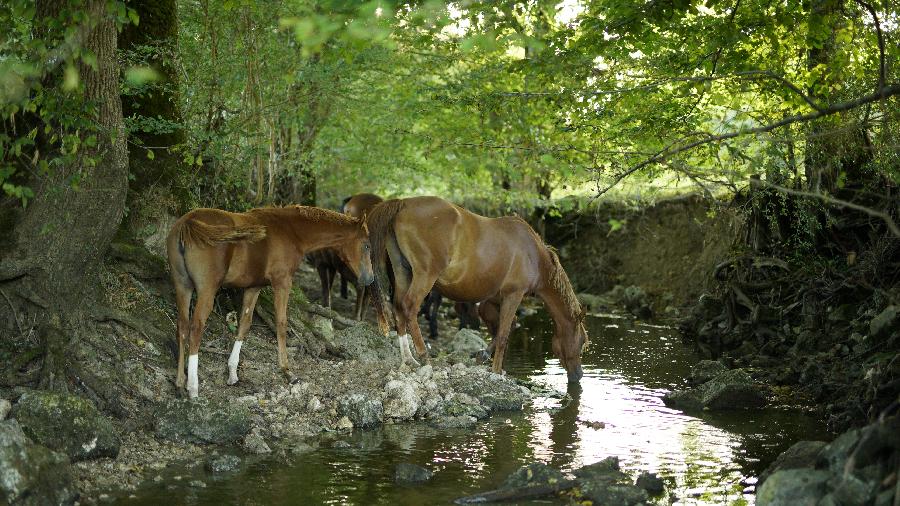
881,73
881,94
835,202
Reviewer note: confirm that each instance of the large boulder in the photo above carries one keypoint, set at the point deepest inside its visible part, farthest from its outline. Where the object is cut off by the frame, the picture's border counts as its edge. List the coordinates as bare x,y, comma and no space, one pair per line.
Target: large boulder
31,473
884,322
202,421
68,424
796,487
706,370
604,483
362,410
802,455
400,400
733,389
534,475
466,342
364,343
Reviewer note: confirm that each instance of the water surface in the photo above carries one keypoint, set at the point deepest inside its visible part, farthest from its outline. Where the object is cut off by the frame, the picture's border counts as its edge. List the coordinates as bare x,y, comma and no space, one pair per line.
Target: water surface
617,410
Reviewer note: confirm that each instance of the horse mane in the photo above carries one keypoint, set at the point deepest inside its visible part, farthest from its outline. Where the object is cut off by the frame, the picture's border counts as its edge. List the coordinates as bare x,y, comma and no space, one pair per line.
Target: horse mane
559,280
309,213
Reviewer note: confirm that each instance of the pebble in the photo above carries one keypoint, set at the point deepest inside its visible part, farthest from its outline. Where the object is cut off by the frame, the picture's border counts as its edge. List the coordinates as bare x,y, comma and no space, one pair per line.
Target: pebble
344,424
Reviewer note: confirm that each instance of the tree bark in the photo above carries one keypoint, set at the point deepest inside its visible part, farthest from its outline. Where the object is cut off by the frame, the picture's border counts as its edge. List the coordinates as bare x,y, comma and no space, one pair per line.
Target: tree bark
157,29
50,271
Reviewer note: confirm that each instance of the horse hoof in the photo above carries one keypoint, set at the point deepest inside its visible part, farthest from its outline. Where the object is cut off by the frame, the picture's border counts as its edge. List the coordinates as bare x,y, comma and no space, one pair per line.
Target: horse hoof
231,381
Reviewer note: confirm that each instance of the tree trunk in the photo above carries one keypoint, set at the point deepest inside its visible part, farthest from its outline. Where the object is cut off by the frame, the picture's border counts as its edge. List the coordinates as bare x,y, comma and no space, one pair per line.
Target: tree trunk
157,29
50,271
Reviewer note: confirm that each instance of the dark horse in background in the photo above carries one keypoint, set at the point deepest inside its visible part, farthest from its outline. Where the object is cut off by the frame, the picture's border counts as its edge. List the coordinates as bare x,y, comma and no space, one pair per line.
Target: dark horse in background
210,248
467,312
328,261
432,243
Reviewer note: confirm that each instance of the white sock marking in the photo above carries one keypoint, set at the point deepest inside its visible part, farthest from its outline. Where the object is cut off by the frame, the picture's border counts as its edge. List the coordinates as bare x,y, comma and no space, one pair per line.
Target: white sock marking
233,361
193,383
405,352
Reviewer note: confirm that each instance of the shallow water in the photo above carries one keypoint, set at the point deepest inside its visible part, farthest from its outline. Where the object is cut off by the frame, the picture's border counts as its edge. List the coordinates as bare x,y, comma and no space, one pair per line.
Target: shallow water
627,368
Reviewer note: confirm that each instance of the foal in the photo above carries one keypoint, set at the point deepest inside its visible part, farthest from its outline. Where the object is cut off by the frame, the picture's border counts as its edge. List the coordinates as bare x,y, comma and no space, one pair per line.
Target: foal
210,248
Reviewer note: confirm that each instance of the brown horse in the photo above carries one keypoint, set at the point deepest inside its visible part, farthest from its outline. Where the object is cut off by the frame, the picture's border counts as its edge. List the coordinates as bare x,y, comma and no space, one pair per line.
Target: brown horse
359,206
433,243
210,248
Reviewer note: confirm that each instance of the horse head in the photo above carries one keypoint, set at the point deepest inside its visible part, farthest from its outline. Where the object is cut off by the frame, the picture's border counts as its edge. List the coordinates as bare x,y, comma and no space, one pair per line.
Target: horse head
356,252
568,344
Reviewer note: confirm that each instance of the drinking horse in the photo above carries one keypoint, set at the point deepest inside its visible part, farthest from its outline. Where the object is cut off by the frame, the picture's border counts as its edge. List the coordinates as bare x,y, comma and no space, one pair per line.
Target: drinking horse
433,243
210,248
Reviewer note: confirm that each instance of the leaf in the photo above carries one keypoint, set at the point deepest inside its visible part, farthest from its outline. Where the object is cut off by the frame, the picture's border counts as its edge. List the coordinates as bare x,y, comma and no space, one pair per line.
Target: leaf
139,75
70,78
150,155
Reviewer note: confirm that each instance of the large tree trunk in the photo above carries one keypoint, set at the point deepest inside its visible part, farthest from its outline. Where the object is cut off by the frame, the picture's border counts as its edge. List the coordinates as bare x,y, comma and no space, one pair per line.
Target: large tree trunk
49,272
157,29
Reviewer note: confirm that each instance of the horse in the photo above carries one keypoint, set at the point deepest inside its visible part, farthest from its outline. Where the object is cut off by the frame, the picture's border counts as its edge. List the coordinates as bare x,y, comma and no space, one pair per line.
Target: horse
328,265
466,312
211,248
471,258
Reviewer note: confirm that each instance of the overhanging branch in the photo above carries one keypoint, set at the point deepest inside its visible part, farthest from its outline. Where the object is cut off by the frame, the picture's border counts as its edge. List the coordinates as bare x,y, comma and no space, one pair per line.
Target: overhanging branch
882,93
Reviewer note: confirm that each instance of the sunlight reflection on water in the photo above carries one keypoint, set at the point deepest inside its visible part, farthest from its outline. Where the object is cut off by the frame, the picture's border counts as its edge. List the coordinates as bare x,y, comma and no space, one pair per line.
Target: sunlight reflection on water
627,369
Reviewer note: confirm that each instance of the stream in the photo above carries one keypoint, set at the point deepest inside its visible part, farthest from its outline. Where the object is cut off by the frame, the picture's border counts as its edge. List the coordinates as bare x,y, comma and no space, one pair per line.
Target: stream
616,411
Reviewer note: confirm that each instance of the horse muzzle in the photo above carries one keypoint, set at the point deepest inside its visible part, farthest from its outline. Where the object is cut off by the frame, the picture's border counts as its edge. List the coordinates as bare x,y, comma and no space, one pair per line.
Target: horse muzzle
367,278
576,374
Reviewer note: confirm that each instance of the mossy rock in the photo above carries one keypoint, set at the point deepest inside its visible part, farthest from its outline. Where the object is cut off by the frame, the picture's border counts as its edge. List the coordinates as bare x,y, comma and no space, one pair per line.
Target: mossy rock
68,424
202,421
31,473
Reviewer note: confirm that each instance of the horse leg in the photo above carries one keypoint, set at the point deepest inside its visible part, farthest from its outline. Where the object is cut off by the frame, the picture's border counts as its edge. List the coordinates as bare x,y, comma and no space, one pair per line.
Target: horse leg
433,313
344,284
507,313
205,299
250,296
402,281
282,293
416,293
361,293
183,294
324,275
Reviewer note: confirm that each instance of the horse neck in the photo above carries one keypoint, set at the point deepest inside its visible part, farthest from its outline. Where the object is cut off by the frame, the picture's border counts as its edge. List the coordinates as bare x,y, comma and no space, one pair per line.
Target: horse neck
311,234
556,306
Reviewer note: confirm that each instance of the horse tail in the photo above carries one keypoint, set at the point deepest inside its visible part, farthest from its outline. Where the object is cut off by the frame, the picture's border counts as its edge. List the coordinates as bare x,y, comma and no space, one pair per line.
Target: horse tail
380,222
194,232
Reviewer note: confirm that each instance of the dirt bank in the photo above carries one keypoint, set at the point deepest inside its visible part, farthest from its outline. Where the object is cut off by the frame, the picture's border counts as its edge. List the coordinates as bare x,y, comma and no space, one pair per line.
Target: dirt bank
669,249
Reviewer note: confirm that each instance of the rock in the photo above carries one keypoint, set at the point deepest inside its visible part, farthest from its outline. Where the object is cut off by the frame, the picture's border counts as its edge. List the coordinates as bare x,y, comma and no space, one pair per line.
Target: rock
650,482
798,487
364,343
5,407
613,495
732,389
400,400
532,475
31,473
323,326
851,490
223,464
314,404
197,484
802,455
687,400
593,303
466,342
884,322
362,410
706,370
606,470
202,421
411,473
454,422
835,454
68,424
344,424
254,443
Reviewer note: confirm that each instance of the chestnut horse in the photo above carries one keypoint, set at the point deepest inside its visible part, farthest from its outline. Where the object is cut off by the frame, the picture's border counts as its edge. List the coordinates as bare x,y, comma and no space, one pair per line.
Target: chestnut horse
470,258
210,248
